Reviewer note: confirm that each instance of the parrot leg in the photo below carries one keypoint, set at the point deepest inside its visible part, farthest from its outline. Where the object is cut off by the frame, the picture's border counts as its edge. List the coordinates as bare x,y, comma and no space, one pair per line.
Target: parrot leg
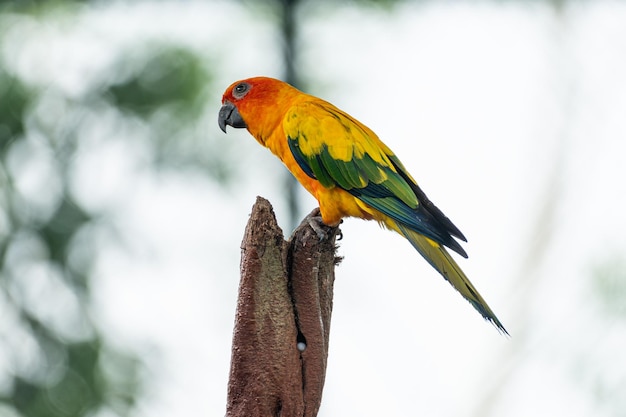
323,231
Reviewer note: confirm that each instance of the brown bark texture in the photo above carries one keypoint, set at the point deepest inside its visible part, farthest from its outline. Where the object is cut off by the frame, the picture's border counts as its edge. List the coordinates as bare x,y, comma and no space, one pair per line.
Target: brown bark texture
285,301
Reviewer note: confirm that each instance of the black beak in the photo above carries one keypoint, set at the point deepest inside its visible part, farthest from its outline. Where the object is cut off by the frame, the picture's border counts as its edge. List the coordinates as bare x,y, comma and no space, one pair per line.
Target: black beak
229,115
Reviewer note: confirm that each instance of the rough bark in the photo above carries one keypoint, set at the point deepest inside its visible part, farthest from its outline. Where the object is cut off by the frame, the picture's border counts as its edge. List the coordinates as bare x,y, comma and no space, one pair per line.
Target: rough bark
285,301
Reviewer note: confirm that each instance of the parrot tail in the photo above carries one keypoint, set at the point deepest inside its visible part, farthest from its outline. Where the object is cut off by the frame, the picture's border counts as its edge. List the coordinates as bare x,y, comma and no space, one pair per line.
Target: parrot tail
441,260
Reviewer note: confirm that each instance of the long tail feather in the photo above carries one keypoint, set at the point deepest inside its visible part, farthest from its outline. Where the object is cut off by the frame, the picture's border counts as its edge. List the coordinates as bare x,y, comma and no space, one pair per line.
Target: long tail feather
441,260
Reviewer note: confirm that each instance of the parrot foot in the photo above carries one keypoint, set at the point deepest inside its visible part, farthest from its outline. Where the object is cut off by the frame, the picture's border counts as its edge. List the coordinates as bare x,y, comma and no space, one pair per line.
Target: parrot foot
323,231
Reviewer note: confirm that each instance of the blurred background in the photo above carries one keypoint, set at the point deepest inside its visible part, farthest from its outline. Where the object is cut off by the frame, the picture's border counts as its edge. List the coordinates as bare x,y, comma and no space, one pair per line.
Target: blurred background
122,205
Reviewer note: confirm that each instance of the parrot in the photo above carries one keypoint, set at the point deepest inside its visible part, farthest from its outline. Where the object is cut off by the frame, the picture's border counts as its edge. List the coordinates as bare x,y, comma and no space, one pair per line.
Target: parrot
349,171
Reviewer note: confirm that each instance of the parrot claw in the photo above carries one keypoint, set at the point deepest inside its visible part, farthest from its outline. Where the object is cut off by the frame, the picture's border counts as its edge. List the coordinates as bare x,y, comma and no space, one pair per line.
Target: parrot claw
323,231
318,226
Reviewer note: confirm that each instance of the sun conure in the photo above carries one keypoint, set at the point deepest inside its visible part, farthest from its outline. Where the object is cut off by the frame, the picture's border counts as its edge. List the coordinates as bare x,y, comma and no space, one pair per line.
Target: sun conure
348,169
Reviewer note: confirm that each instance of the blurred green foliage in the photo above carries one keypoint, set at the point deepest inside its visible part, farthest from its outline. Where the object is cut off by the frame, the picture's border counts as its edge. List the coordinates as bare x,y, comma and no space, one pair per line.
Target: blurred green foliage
12,106
48,371
167,89
609,283
170,76
55,360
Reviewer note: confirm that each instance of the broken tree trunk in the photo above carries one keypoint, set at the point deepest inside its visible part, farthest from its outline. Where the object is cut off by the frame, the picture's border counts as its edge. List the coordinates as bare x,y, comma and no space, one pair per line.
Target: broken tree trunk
280,341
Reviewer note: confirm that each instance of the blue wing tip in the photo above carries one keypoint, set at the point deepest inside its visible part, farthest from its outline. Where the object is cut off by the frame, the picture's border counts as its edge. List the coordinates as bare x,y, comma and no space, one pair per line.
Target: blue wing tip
490,317
499,326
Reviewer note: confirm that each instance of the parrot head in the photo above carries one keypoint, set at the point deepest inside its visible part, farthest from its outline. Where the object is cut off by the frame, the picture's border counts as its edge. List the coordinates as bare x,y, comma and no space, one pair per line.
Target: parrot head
229,114
252,102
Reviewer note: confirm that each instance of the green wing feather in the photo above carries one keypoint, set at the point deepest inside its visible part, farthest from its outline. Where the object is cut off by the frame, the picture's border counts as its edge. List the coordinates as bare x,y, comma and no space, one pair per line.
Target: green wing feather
338,151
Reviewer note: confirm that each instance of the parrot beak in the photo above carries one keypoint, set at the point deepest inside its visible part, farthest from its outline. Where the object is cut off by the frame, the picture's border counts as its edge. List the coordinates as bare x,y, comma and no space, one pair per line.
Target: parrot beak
229,115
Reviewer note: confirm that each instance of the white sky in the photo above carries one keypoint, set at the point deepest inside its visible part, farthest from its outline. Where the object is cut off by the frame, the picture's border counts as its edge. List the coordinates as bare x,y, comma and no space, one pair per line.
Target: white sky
486,104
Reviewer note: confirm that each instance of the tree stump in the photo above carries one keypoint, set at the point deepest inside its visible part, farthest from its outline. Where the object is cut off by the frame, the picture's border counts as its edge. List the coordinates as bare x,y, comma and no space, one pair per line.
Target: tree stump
282,324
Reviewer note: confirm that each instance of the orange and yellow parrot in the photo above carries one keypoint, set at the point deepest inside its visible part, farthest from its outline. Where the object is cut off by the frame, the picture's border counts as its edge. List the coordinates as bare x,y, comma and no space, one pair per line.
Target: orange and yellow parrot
348,169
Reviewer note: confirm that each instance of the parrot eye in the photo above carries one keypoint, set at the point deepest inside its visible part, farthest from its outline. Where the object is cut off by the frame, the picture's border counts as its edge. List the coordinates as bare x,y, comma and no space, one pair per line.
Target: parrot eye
241,90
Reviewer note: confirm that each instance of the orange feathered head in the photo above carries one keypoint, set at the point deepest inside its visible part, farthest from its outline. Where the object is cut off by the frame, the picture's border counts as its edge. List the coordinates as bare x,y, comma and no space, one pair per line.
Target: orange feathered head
252,102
